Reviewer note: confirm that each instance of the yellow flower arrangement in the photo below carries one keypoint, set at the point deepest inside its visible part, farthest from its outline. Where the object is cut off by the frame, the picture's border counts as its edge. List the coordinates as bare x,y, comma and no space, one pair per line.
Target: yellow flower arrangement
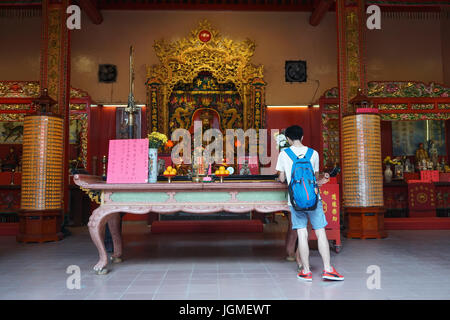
156,140
388,160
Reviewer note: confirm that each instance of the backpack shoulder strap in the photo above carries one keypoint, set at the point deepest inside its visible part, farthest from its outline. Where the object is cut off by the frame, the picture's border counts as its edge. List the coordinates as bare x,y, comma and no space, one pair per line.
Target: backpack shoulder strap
291,154
309,154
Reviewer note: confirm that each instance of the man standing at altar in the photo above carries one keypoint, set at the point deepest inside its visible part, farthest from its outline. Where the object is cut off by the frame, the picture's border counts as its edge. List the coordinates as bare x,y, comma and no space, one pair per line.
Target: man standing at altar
294,135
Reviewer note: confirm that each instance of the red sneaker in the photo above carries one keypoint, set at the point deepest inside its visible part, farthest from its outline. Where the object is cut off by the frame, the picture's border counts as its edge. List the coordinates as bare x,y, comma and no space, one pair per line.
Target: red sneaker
333,275
304,276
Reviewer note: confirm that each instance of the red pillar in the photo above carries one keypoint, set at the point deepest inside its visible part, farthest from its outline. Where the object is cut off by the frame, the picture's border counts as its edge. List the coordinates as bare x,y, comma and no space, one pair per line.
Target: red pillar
55,71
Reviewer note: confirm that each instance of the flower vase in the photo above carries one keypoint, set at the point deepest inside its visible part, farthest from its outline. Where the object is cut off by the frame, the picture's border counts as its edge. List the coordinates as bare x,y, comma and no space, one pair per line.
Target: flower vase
388,174
152,165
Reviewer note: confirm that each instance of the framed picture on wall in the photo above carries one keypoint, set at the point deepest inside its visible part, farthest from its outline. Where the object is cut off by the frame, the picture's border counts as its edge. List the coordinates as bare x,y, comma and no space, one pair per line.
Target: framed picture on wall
406,136
122,124
11,132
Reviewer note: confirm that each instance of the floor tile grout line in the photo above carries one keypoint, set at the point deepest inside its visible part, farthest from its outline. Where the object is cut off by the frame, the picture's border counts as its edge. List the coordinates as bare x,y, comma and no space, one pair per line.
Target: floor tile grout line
160,283
218,283
276,283
124,292
189,282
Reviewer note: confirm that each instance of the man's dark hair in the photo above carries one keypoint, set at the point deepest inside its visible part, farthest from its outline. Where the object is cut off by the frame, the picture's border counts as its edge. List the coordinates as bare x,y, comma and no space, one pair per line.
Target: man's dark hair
294,132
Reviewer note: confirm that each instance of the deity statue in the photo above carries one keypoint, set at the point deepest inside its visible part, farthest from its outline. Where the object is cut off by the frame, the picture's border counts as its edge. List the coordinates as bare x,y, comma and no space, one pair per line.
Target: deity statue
11,161
433,152
207,119
421,155
408,166
442,165
245,170
161,166
398,171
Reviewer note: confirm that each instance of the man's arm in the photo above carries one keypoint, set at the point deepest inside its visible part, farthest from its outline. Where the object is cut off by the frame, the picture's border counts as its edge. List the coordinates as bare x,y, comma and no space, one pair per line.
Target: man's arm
280,168
322,178
281,176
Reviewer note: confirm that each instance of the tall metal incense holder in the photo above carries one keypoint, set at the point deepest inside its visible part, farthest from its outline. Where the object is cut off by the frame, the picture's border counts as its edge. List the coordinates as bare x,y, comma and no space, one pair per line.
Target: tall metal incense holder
131,108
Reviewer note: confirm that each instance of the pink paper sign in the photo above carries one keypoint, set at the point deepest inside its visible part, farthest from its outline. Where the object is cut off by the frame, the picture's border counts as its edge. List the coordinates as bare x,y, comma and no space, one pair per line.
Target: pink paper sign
128,161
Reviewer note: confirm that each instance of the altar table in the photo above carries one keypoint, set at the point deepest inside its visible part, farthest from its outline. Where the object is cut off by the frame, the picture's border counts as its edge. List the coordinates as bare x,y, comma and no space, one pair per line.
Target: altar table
166,198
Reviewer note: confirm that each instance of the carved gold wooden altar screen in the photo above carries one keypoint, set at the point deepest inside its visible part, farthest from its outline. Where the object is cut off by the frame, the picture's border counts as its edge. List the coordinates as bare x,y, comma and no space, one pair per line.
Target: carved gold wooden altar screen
205,71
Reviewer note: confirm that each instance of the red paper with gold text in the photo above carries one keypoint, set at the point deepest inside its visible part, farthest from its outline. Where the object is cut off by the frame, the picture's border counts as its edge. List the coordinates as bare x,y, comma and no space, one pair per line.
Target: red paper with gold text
330,200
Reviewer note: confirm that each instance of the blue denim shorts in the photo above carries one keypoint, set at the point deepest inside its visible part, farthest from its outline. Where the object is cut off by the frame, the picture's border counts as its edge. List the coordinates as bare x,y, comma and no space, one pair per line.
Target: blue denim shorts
317,218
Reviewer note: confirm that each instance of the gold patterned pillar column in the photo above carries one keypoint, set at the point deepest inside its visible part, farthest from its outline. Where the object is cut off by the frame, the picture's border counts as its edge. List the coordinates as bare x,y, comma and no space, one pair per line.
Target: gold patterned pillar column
42,176
362,182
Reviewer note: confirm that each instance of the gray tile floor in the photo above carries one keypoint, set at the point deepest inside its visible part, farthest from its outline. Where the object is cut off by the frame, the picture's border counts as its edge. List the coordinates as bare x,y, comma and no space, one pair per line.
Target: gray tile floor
413,265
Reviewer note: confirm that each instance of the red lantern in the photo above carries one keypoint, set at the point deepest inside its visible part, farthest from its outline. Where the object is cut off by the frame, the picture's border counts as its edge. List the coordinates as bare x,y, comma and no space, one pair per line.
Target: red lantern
204,36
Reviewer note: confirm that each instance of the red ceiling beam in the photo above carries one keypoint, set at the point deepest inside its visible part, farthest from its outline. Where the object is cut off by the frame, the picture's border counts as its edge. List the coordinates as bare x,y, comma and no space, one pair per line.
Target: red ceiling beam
319,11
220,5
91,10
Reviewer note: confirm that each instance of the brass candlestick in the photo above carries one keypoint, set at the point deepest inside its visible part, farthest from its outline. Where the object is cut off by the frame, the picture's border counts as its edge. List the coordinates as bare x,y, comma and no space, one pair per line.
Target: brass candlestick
195,175
12,176
104,168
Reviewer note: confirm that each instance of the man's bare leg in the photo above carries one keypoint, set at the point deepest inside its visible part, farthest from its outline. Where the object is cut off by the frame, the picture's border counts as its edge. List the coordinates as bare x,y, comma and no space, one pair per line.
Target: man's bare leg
299,260
303,248
324,248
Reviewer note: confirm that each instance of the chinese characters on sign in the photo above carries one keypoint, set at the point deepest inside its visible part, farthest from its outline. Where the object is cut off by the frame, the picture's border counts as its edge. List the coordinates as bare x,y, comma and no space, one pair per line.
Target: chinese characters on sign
330,201
128,161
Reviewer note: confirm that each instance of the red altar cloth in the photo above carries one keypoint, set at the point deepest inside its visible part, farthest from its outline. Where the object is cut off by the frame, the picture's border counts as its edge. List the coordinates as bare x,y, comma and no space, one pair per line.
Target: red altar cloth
444,177
422,199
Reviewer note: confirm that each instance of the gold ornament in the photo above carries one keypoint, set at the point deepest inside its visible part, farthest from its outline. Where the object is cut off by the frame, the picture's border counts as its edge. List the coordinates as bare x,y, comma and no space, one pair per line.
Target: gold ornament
182,61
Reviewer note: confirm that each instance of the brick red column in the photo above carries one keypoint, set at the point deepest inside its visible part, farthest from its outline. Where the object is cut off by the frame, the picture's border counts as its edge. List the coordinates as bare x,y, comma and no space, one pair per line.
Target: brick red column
55,71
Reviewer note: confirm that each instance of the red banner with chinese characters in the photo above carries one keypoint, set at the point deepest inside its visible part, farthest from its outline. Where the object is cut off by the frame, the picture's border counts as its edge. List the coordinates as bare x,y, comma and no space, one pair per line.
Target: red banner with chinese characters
429,175
422,199
330,200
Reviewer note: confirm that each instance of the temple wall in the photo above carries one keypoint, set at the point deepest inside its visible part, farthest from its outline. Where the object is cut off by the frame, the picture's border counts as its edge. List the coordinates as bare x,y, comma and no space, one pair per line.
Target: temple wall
278,37
445,38
404,49
20,45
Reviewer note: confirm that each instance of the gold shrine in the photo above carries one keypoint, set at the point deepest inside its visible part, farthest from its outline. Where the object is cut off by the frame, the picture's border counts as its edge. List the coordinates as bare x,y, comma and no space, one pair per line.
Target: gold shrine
205,72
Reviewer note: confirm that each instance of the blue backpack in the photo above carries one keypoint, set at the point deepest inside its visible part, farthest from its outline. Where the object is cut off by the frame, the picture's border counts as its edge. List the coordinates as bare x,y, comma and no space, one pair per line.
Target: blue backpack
303,187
